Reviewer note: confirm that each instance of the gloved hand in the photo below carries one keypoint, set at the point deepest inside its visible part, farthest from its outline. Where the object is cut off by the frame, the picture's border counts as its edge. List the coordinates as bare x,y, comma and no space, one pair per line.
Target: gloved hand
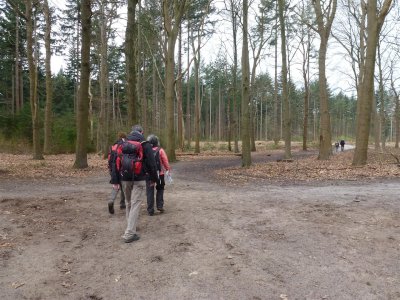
158,184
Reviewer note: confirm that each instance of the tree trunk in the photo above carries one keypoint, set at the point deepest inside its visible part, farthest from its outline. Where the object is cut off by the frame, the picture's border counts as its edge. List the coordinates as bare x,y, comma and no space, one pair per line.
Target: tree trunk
306,108
245,123
130,58
254,106
17,67
181,139
48,122
397,121
102,126
83,100
197,104
140,109
375,21
382,117
169,97
306,72
376,126
171,26
276,103
325,139
324,30
155,97
219,112
234,118
34,101
188,127
233,106
228,116
396,112
285,98
77,53
144,98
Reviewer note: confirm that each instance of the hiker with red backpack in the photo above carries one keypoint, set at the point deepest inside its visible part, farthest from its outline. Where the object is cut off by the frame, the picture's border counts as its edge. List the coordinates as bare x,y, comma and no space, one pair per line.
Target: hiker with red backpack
162,167
115,178
135,164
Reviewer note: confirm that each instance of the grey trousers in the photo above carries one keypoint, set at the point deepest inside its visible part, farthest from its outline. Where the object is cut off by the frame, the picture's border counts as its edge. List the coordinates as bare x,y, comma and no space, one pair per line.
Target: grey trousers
114,194
134,193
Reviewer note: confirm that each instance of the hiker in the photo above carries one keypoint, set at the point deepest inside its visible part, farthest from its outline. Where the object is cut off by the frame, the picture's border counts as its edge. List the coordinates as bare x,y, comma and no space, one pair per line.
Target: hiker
337,146
342,145
115,178
134,181
162,167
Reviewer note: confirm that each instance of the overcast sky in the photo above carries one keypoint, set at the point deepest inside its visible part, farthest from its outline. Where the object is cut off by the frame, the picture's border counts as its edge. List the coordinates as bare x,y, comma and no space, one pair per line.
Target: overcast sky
337,67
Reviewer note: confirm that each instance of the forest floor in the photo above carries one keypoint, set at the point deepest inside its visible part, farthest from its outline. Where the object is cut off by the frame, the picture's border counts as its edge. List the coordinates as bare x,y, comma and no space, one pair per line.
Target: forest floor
305,229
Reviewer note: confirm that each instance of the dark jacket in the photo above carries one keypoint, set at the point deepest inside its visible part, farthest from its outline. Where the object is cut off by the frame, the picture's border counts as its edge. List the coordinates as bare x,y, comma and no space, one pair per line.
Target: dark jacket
149,162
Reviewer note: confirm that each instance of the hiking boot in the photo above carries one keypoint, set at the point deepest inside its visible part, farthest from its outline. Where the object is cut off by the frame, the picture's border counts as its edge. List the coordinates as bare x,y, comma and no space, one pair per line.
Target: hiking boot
161,210
111,207
122,206
131,239
151,214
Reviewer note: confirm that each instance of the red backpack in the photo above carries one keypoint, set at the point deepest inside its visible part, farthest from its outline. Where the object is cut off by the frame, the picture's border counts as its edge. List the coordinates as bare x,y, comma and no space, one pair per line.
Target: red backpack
112,156
130,160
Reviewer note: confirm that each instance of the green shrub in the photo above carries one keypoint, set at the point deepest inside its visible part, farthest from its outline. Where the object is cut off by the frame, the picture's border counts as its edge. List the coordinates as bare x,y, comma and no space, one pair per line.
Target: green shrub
17,126
64,134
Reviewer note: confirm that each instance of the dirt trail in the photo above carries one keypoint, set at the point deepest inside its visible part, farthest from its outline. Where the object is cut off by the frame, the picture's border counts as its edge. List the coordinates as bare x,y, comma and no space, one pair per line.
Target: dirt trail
338,240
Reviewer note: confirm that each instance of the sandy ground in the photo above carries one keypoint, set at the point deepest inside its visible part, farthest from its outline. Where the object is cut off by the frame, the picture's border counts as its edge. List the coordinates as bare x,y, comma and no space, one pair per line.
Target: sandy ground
259,240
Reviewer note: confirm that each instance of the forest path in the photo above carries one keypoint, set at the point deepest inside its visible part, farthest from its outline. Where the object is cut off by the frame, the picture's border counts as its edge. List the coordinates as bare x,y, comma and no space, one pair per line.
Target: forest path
329,240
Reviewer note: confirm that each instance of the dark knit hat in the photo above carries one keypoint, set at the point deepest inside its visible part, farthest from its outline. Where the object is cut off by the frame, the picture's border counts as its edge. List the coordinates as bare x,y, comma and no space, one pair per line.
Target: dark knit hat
137,128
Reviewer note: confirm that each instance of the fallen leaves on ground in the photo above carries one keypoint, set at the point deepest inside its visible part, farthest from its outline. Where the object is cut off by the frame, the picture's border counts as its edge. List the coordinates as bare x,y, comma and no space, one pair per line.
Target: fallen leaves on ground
338,167
309,168
53,166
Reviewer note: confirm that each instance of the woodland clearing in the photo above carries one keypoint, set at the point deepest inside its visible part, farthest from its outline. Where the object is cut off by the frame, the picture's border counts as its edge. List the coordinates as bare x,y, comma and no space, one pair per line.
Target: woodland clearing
305,229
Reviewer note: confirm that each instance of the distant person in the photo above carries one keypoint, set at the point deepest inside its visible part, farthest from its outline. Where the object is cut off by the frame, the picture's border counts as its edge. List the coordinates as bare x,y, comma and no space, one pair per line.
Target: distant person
162,167
342,145
337,146
136,164
115,178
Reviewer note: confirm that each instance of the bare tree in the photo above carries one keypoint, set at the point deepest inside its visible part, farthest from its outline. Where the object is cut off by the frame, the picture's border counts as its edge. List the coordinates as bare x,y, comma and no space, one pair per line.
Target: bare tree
173,11
198,32
285,97
245,124
33,96
197,113
130,58
17,80
306,38
375,19
325,13
233,8
179,93
276,116
49,86
83,100
258,40
396,111
107,13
